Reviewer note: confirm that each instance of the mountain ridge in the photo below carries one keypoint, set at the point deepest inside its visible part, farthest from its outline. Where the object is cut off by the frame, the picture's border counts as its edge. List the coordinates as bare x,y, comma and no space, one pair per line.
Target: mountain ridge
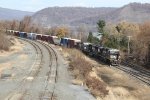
74,16
11,14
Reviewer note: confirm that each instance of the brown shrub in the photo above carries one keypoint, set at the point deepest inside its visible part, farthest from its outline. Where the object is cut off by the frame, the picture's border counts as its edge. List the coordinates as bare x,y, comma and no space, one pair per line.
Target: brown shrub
4,42
81,68
97,87
78,62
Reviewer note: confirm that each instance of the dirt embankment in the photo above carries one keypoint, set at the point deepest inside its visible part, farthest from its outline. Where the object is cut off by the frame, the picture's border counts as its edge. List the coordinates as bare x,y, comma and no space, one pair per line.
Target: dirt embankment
5,42
104,82
16,47
82,70
121,85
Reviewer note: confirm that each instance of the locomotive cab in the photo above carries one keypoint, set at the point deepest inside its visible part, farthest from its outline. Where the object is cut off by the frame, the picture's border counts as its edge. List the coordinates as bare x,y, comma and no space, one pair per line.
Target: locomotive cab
114,56
85,47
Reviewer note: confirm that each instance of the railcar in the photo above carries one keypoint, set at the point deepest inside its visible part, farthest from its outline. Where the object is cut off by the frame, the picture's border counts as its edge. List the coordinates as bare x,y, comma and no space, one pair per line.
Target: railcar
16,33
39,36
79,45
95,51
31,36
64,41
23,34
73,43
10,32
104,54
114,56
108,55
50,39
56,40
45,38
85,47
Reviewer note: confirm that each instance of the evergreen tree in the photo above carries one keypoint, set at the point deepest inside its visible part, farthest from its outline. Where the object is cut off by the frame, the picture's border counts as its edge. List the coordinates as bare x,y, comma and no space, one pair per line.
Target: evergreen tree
101,24
90,37
96,40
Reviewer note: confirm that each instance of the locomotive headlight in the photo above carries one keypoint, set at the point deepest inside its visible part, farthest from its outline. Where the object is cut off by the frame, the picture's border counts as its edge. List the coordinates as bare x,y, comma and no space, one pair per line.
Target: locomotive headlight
113,57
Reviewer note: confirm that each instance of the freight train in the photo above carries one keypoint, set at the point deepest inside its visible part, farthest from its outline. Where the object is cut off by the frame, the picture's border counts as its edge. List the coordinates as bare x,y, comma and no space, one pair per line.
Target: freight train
107,55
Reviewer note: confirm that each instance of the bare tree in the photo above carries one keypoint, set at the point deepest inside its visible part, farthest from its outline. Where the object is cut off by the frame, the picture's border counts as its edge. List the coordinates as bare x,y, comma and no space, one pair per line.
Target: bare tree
25,24
82,32
141,50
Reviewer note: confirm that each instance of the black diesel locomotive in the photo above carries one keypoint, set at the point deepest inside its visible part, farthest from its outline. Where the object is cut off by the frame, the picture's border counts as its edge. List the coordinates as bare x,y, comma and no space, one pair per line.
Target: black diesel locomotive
104,54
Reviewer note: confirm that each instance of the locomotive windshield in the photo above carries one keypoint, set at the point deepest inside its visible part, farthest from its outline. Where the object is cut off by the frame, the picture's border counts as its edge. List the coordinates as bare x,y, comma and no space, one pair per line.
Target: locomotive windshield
113,56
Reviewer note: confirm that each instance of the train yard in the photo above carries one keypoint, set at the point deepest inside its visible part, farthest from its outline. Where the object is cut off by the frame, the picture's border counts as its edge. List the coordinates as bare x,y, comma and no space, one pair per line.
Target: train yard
46,77
144,77
39,80
35,71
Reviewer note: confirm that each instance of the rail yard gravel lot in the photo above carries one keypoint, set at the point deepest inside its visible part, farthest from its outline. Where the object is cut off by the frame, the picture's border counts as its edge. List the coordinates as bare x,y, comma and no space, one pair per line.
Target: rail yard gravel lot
22,79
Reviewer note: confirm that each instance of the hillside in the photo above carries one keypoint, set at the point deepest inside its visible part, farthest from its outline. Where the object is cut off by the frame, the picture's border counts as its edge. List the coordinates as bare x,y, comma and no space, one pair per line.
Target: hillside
134,12
67,15
9,14
75,16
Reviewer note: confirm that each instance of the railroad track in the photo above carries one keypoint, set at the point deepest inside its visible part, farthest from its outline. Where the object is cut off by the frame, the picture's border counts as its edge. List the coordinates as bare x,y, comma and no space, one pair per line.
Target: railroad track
137,73
51,74
137,67
32,74
48,94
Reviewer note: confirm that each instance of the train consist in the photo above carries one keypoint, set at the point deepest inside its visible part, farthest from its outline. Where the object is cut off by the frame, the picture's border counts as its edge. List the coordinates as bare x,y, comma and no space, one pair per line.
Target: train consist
104,54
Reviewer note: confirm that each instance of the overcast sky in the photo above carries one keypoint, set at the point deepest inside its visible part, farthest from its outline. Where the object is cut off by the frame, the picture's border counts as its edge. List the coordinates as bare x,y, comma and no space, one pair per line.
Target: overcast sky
35,5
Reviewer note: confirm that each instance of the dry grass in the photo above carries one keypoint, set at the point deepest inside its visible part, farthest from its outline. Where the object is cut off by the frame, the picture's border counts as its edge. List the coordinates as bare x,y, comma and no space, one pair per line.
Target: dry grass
79,63
81,69
97,87
4,42
122,85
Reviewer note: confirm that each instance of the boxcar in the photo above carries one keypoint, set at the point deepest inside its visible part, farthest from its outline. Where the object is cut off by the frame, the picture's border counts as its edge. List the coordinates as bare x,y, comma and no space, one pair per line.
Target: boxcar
64,41
73,43
31,36
10,32
16,33
50,39
56,40
45,38
23,34
39,36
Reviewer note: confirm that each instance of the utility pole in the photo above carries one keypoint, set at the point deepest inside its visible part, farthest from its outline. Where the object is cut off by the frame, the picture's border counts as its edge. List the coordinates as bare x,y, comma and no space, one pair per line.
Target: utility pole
119,41
119,30
129,37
